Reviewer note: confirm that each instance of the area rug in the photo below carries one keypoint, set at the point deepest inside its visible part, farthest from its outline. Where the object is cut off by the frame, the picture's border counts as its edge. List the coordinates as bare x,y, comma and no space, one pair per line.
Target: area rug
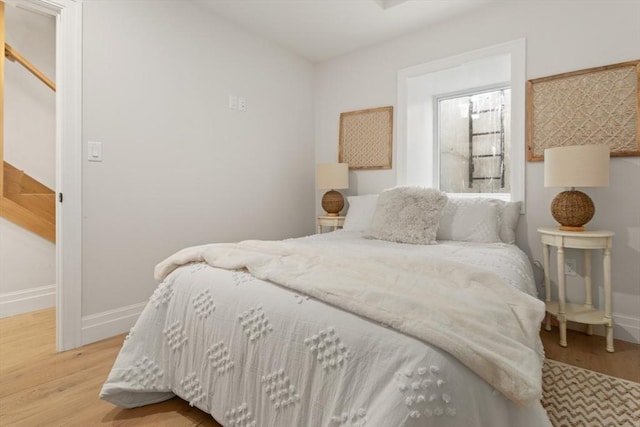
576,397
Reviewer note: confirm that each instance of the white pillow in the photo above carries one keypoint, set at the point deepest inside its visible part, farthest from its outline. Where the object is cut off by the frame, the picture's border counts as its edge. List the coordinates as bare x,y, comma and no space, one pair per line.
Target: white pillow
407,215
509,215
470,220
360,213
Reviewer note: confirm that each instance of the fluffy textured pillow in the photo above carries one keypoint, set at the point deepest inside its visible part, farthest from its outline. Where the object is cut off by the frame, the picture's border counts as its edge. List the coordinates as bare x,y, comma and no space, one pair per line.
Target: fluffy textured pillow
407,215
470,220
360,213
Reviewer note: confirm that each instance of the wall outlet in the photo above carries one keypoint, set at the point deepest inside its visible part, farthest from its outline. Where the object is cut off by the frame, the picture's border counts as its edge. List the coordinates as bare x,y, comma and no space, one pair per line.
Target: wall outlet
570,267
242,103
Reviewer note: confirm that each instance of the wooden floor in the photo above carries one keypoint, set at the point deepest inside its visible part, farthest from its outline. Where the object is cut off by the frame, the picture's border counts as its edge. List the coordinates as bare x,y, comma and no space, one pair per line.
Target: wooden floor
589,352
39,387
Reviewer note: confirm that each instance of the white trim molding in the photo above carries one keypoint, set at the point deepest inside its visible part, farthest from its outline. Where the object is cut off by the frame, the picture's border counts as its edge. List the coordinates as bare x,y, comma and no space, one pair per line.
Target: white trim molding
27,300
411,138
626,328
69,170
109,323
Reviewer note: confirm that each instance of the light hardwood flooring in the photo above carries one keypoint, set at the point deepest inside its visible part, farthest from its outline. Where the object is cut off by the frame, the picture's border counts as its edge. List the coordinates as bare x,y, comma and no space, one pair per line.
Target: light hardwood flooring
589,352
39,387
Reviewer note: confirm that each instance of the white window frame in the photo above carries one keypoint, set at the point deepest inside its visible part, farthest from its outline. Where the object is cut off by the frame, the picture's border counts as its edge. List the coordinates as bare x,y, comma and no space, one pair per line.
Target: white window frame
407,148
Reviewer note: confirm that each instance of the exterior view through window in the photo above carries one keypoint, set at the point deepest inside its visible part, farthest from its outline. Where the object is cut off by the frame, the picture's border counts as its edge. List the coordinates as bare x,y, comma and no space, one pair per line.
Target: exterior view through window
473,132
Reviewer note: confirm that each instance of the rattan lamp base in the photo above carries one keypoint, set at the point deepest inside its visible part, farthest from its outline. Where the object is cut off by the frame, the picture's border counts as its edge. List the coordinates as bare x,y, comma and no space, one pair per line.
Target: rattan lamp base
572,209
332,202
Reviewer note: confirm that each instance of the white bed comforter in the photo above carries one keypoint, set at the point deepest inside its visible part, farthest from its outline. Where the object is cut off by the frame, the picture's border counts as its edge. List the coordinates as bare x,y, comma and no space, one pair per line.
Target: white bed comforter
252,353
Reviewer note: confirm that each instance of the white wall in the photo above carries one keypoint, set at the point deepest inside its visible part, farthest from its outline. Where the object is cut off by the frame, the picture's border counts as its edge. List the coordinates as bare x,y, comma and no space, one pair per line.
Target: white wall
180,168
27,261
30,106
561,36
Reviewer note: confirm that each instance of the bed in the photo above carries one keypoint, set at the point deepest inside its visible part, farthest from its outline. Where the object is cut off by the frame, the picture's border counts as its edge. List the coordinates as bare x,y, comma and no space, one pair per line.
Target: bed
341,330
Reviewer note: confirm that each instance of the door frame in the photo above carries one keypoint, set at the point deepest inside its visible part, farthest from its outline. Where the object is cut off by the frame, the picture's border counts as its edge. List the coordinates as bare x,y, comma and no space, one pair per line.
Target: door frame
68,15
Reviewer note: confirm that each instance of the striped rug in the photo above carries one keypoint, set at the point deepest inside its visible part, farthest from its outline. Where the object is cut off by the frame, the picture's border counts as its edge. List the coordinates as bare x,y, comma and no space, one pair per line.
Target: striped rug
576,397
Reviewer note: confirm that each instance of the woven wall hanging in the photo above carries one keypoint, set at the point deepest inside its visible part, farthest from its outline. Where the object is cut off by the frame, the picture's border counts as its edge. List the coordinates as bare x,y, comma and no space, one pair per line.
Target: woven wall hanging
593,106
366,138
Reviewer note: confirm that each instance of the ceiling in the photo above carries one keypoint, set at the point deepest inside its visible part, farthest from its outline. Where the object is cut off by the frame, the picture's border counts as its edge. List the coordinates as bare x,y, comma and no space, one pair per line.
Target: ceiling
322,29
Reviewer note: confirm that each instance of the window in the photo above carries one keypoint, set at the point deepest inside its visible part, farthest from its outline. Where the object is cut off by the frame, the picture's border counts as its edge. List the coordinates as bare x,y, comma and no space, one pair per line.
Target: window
473,134
446,139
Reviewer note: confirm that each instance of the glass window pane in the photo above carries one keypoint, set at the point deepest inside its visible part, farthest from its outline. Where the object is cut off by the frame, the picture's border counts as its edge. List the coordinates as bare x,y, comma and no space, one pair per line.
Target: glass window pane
474,135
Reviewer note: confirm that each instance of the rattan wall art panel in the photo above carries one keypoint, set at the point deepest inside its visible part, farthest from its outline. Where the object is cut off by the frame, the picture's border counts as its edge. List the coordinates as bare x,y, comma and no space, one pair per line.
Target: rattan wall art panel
366,138
593,106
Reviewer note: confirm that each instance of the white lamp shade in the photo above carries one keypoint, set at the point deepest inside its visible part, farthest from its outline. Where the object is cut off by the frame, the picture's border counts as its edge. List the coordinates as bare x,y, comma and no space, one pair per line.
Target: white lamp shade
332,176
576,166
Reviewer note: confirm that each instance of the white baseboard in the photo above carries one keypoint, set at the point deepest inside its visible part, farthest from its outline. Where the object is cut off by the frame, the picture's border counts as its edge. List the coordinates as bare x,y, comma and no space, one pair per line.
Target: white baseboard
626,328
103,325
19,302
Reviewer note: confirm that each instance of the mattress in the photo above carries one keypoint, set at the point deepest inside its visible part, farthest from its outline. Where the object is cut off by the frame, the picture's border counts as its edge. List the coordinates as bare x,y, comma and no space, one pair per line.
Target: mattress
252,352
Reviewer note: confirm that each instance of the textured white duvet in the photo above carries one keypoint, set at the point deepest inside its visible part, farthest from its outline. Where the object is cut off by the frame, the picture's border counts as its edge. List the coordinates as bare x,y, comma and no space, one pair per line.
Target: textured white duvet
357,332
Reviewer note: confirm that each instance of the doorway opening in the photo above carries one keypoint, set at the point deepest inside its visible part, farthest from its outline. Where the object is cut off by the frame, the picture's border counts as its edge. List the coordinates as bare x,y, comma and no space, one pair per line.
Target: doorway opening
27,162
67,154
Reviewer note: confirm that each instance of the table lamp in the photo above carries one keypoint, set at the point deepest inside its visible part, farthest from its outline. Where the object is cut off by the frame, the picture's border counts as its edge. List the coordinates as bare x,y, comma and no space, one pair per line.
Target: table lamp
575,166
332,176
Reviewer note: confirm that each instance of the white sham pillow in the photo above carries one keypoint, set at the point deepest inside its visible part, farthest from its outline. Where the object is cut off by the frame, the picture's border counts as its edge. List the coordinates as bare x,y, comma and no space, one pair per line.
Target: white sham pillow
407,215
474,219
509,215
360,213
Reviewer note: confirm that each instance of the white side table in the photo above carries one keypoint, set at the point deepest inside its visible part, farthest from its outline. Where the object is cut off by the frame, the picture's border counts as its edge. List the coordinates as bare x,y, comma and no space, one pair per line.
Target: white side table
587,240
334,222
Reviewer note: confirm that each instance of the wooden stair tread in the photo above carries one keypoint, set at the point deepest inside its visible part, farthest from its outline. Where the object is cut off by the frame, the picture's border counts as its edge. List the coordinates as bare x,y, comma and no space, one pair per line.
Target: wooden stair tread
28,203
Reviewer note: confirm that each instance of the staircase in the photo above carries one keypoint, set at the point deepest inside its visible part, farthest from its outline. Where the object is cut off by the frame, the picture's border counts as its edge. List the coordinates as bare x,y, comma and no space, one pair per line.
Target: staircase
28,203
23,200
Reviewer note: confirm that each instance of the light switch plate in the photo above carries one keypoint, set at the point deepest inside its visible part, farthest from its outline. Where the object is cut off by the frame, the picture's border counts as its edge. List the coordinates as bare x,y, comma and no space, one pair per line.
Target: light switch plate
94,151
233,102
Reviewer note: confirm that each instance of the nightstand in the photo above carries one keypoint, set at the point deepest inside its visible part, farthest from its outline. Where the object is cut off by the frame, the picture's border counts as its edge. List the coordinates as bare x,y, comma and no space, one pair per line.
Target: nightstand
330,221
587,240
